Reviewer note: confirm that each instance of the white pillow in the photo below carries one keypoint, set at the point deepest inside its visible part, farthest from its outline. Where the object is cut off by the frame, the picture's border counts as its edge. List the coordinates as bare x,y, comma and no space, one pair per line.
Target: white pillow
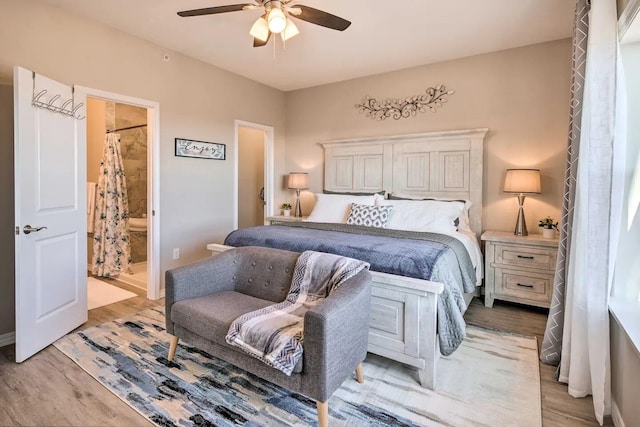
463,221
424,215
336,207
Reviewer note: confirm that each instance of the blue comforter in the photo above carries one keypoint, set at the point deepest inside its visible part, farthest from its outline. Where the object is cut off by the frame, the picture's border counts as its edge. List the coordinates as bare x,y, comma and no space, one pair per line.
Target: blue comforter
428,256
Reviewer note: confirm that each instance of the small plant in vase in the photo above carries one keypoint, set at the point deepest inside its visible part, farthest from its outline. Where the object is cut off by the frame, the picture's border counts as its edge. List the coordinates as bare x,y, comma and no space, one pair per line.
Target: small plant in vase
549,227
286,209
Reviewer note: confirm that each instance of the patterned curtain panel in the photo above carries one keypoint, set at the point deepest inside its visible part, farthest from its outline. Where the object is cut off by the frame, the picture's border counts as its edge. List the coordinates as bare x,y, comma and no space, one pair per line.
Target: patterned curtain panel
552,342
111,243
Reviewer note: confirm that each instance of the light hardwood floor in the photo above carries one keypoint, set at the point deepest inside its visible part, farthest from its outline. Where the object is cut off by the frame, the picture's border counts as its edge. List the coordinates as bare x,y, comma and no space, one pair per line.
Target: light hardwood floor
49,389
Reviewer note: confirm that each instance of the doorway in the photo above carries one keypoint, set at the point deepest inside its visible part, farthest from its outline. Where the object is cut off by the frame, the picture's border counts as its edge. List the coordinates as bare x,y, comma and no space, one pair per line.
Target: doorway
135,122
128,125
254,179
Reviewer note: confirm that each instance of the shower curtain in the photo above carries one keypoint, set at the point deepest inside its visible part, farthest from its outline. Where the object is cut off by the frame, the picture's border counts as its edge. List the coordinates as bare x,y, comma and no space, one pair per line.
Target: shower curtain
111,242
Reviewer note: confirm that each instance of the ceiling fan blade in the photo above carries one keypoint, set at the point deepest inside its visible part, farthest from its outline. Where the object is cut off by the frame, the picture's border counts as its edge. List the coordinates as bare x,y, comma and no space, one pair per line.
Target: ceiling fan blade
214,10
259,43
321,18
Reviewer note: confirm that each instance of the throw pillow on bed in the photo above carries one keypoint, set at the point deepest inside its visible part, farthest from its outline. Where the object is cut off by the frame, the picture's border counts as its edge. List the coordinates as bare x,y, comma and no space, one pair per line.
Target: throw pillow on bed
369,216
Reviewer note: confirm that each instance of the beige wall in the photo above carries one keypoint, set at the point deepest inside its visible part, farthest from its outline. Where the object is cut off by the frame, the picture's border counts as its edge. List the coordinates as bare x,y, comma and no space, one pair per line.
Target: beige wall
621,5
250,176
625,374
521,94
197,101
96,129
7,238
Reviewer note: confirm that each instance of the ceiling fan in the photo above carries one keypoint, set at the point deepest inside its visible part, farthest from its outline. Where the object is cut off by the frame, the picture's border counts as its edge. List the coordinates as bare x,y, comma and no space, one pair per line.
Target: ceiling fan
276,18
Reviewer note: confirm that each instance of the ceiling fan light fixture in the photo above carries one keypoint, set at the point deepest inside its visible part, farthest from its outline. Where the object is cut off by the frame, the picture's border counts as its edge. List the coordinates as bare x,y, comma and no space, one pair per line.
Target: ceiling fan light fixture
260,30
289,31
277,20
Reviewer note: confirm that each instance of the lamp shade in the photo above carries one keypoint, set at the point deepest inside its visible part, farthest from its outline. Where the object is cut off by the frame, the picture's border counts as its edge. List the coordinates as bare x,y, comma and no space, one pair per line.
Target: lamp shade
298,180
260,30
277,20
289,31
522,181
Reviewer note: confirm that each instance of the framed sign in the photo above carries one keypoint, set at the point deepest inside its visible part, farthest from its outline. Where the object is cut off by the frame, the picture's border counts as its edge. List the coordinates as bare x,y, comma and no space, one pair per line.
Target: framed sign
200,149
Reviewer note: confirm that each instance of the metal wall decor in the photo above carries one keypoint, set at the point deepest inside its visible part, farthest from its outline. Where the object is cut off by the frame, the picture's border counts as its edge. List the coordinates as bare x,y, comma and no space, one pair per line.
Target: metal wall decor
403,108
200,149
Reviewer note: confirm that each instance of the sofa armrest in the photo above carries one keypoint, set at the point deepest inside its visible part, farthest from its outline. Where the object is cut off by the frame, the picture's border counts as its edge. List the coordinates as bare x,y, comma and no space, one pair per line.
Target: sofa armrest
336,335
209,276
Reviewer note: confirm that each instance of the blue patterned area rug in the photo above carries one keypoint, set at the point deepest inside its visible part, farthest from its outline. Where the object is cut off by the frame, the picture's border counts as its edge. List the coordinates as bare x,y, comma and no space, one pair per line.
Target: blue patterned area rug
492,379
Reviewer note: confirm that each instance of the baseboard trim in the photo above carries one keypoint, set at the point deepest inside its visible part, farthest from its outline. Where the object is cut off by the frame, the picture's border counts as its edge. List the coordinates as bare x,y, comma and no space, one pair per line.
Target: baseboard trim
7,339
616,416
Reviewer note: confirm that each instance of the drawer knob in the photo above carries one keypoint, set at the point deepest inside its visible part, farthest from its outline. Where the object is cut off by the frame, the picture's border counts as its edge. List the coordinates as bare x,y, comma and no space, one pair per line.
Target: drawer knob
525,257
524,286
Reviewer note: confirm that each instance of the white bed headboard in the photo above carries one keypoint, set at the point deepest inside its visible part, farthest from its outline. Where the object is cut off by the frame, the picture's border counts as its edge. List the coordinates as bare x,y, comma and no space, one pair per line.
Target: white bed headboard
435,164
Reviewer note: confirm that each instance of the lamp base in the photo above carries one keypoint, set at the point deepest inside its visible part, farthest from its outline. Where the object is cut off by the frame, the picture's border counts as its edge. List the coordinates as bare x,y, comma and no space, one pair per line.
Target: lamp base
521,224
298,210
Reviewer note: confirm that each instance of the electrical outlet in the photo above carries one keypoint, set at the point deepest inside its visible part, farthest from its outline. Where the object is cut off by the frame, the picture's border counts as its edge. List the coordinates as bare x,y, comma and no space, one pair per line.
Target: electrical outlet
176,253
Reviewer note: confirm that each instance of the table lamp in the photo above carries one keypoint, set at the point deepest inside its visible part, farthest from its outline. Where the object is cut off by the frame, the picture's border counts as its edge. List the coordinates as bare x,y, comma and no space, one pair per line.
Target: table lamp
521,182
298,181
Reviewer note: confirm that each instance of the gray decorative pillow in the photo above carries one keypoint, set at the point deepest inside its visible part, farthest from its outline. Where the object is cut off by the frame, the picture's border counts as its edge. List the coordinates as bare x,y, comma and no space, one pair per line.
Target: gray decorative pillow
369,216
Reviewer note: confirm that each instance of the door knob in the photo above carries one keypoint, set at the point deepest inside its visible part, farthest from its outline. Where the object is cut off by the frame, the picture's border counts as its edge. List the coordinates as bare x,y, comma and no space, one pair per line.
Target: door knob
29,229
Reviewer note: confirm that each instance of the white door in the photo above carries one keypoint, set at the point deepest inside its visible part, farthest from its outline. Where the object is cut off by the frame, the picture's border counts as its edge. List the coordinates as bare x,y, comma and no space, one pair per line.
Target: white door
50,191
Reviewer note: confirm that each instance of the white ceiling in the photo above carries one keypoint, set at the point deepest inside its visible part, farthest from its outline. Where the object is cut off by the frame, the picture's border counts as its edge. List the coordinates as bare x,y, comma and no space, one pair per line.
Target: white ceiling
384,35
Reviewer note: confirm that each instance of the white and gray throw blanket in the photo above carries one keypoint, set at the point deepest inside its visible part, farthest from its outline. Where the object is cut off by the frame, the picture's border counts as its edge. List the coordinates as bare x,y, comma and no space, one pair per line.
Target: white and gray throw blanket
274,334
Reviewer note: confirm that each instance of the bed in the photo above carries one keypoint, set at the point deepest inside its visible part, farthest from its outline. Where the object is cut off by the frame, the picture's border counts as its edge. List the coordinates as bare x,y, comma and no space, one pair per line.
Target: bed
404,318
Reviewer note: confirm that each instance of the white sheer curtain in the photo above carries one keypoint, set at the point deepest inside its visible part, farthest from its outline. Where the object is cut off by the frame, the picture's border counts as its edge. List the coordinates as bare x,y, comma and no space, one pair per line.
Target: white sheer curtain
584,364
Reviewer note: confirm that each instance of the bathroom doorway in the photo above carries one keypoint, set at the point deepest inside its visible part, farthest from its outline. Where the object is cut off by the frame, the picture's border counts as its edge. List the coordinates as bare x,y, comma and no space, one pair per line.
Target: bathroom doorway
133,123
128,124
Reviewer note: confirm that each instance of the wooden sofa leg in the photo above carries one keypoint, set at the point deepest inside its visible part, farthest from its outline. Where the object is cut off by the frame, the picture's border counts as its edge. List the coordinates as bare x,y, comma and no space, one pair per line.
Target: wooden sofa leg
172,347
359,374
323,413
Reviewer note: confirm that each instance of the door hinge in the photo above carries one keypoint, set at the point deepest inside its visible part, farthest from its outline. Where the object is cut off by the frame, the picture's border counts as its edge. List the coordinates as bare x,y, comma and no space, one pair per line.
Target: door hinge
153,212
17,230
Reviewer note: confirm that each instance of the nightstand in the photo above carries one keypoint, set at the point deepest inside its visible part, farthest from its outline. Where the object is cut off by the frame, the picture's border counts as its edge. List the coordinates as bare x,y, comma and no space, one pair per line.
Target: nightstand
519,268
281,218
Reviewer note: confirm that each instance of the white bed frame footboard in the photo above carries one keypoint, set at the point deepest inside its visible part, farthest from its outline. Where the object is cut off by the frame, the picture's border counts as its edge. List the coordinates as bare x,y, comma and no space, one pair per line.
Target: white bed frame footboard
402,323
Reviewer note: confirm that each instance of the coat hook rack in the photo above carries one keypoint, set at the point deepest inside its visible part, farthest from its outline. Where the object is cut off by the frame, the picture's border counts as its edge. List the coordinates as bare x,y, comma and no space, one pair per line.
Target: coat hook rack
68,107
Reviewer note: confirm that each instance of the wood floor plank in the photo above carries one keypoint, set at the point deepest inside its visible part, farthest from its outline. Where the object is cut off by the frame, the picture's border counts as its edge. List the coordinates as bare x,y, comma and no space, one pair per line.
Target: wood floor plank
50,389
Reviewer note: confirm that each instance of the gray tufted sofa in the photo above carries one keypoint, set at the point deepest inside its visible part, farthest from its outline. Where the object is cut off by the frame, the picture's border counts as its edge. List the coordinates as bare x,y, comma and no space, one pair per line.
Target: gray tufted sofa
202,300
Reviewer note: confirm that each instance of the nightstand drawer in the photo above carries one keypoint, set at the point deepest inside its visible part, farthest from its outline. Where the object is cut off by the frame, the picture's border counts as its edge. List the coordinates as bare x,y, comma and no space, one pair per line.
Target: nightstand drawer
520,284
539,258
